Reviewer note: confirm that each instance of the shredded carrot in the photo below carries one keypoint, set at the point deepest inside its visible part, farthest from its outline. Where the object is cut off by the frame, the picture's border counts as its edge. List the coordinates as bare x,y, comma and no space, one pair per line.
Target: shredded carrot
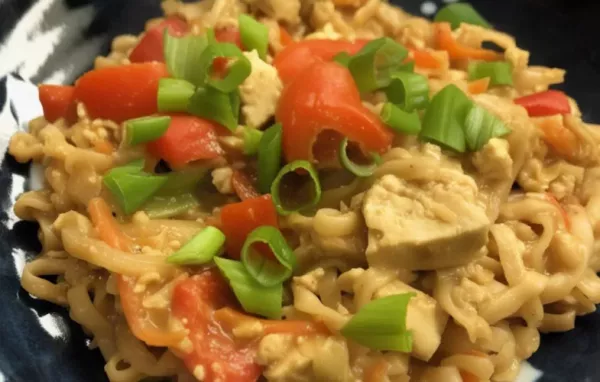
284,36
468,377
229,318
557,136
562,211
424,59
103,146
457,51
107,226
377,371
479,86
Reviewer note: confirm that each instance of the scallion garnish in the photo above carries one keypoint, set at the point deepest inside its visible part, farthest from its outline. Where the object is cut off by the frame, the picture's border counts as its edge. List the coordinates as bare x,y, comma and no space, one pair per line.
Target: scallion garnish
131,190
359,170
238,67
182,181
201,249
254,35
286,208
459,13
343,58
408,90
212,104
399,120
164,207
372,67
499,73
443,123
174,95
254,298
145,129
269,157
182,56
481,126
133,167
265,270
252,138
381,324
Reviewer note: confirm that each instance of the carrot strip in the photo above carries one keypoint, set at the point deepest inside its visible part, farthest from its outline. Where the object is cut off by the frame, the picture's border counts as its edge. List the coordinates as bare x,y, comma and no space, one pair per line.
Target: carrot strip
557,136
107,226
457,51
479,86
424,59
104,147
565,216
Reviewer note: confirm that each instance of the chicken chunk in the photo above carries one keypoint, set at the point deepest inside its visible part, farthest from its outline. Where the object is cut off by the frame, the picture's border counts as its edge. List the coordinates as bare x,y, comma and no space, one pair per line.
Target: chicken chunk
260,92
494,161
424,225
425,318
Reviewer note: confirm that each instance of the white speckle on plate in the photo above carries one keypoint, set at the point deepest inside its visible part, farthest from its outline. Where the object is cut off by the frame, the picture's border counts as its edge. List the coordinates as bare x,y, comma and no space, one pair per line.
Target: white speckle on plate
528,373
428,8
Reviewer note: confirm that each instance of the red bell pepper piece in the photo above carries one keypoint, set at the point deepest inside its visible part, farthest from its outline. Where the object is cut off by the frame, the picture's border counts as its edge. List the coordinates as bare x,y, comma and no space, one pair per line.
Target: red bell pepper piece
325,97
58,101
298,56
188,139
546,103
243,185
120,93
151,46
229,34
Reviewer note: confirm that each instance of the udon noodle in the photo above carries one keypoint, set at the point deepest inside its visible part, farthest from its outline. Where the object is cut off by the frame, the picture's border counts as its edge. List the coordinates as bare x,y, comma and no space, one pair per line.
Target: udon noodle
529,213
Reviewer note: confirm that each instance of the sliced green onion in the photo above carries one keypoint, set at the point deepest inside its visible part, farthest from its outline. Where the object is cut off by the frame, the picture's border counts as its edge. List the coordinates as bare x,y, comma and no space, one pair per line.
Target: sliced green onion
254,298
214,105
145,129
459,13
252,138
182,56
201,249
269,157
400,120
355,168
481,126
182,181
408,90
238,69
268,272
445,117
381,324
164,207
407,66
174,94
314,192
500,73
254,35
373,66
133,167
132,190
343,58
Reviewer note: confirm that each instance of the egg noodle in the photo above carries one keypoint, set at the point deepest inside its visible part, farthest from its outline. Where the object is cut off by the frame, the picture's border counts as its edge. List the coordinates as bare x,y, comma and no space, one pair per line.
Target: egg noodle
498,245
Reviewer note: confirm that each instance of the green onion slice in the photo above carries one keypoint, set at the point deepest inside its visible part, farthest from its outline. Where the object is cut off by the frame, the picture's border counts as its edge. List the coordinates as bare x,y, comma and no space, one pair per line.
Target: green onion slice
500,73
174,95
254,35
133,167
381,324
481,126
252,138
269,157
314,191
182,181
359,170
201,249
132,190
408,90
400,120
343,58
407,67
372,67
268,272
445,117
145,129
212,104
164,207
254,298
182,56
459,13
238,68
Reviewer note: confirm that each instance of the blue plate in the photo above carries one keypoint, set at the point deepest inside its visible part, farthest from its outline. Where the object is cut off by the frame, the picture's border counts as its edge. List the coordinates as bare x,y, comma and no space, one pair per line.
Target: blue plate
57,40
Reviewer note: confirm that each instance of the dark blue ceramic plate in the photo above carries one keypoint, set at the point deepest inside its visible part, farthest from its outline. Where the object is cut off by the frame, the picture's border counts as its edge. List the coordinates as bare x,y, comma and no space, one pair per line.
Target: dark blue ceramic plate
56,40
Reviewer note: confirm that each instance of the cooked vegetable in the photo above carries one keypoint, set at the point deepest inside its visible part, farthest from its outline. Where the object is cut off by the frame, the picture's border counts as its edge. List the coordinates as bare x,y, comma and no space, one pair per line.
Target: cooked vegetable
183,56
252,138
255,298
423,59
144,129
214,105
410,91
284,36
151,45
243,185
325,97
229,34
269,157
360,170
132,190
58,101
268,271
481,126
228,77
182,181
479,86
107,227
499,73
459,13
314,193
457,51
546,103
201,249
557,136
174,95
164,207
381,324
254,35
399,120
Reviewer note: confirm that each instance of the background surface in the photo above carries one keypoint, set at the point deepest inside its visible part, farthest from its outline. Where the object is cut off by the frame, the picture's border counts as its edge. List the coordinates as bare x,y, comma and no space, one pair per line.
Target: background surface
56,40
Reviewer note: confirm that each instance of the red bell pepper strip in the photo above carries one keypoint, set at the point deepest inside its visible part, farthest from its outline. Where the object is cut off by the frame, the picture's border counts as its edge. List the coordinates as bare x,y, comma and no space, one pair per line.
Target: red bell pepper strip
243,185
285,38
151,46
229,34
215,356
546,103
238,220
58,102
298,56
120,93
187,139
325,97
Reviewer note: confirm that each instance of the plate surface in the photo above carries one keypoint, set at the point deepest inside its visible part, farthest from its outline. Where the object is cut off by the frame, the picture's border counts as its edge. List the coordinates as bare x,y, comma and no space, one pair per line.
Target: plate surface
56,40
